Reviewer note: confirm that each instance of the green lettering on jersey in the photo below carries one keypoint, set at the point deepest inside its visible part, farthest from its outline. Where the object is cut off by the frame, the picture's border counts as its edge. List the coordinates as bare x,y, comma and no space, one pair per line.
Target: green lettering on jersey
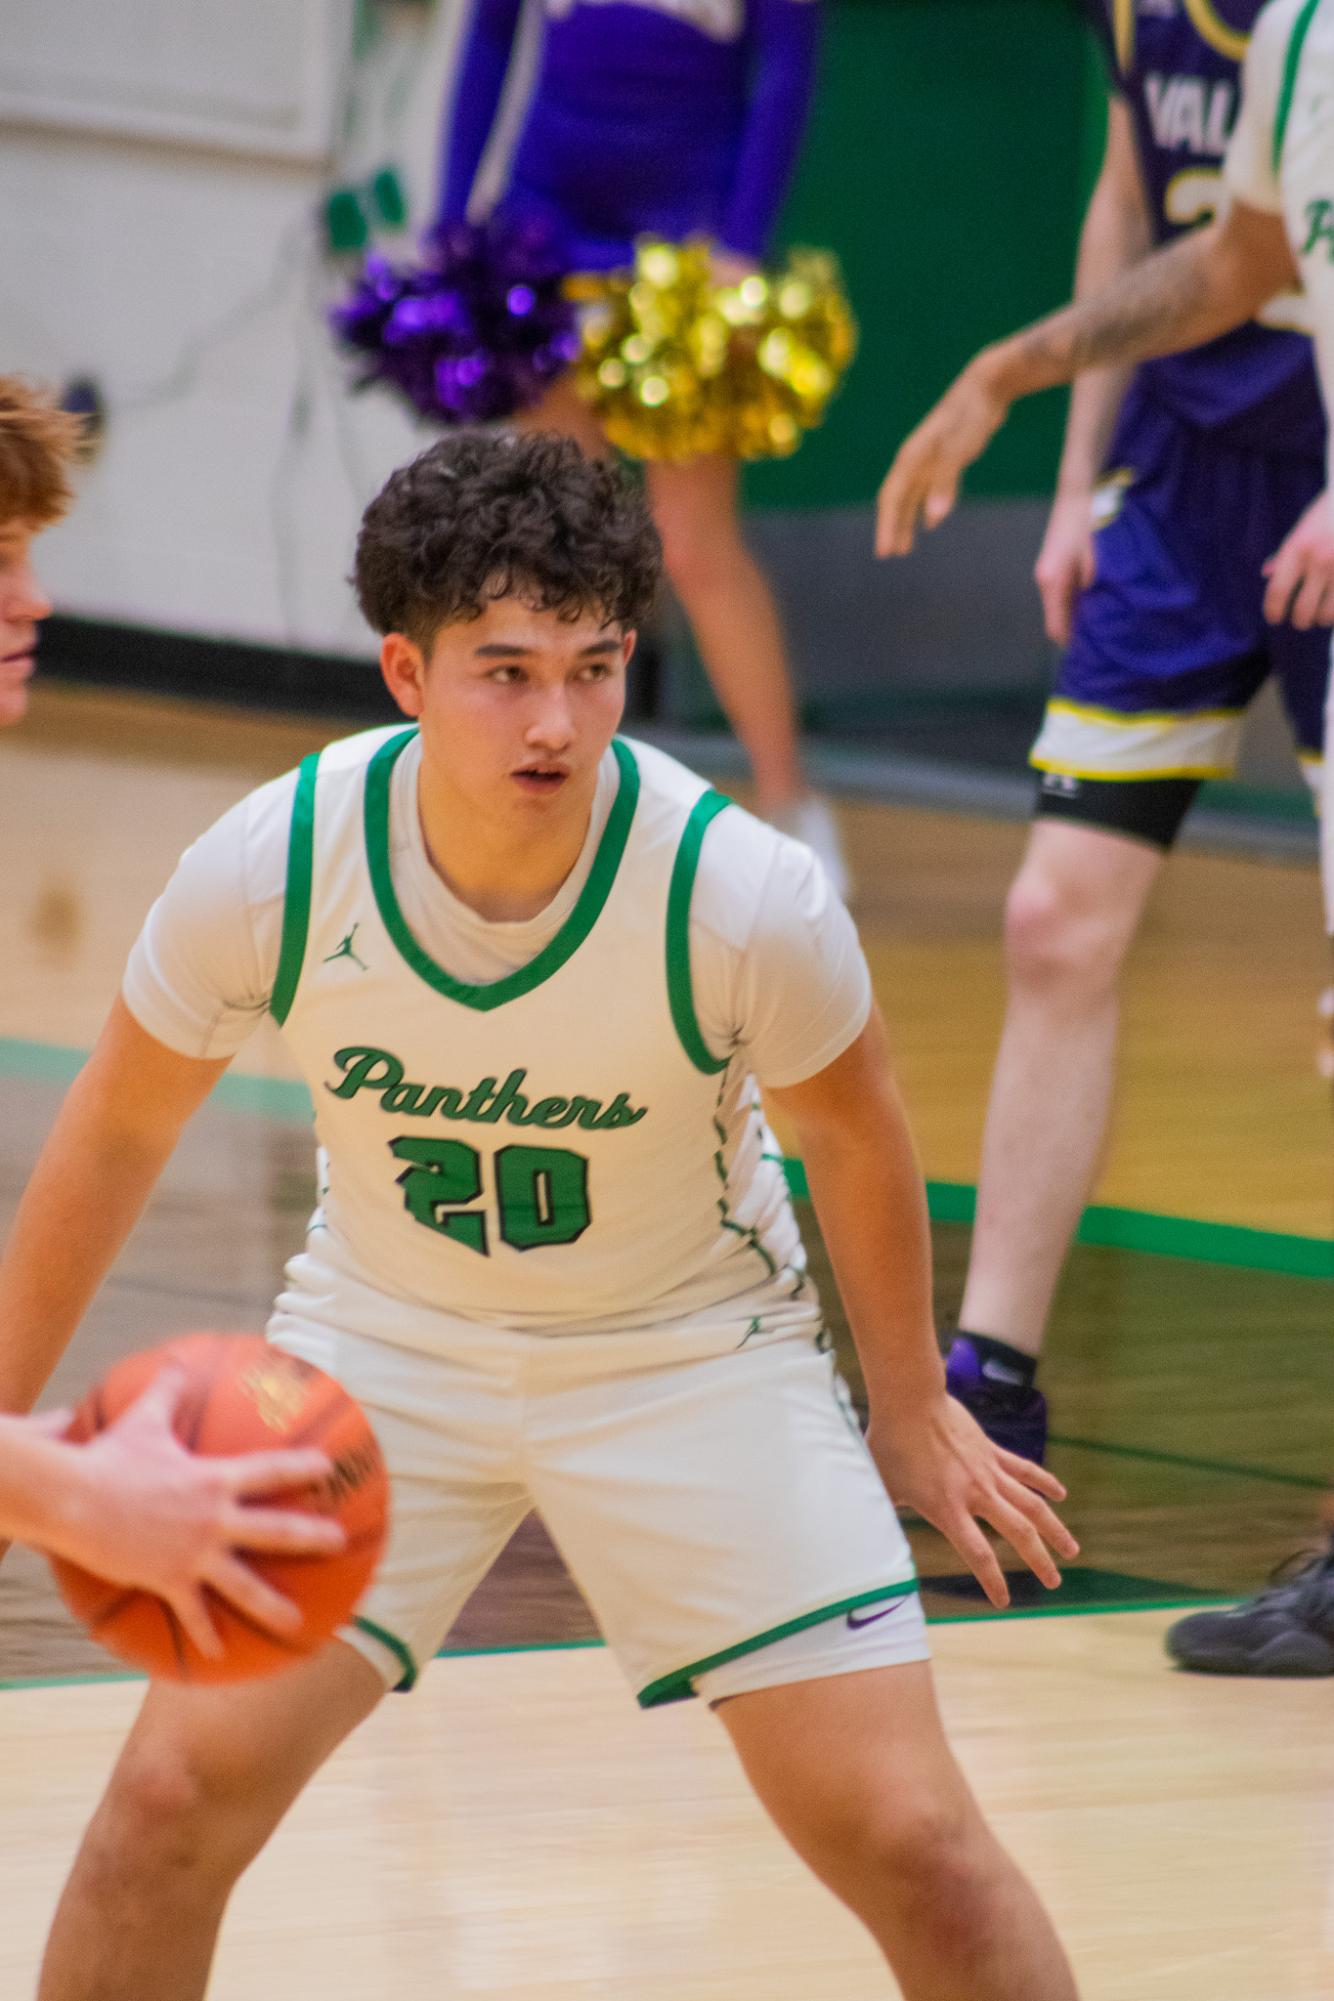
1319,228
490,1102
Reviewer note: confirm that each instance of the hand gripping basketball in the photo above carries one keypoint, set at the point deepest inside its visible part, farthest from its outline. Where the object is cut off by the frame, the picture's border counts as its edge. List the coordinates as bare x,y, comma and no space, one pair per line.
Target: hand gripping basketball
242,1506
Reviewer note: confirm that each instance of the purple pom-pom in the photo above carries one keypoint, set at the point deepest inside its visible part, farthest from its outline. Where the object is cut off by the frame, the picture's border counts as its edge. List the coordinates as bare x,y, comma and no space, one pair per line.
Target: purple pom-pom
473,333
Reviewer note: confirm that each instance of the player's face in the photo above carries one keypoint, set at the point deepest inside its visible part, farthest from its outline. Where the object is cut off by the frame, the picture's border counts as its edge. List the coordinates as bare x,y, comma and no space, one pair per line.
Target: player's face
517,706
23,604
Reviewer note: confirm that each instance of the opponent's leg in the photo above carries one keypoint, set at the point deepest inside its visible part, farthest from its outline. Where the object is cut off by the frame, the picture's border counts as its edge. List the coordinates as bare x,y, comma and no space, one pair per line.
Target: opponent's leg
1072,912
855,1771
205,1776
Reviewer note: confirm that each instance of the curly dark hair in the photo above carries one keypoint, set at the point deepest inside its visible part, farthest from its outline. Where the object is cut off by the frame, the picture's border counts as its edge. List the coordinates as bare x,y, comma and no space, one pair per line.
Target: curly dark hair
478,516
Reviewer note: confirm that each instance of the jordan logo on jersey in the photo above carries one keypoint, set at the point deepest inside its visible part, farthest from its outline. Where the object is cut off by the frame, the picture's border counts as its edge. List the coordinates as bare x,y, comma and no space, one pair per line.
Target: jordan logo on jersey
381,1073
345,951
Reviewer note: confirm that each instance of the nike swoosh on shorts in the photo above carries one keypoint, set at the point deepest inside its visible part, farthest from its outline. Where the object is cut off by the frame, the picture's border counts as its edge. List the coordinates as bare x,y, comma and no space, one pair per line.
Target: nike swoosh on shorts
873,1617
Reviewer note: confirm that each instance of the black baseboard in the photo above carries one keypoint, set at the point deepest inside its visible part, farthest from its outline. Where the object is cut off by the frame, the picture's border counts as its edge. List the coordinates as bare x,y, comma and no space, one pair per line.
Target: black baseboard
213,668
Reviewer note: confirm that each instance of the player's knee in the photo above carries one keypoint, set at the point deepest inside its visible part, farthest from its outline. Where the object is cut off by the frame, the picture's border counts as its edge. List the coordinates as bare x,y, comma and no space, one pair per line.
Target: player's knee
931,1864
166,1813
1055,941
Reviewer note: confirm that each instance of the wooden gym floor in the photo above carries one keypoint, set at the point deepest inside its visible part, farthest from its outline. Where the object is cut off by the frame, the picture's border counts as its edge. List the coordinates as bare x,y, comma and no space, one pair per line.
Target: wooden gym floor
516,1828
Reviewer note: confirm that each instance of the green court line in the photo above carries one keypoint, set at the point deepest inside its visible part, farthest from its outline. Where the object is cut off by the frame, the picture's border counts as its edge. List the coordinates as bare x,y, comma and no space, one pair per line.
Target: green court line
948,1201
448,1653
1195,1604
1272,1475
1142,1230
1198,1604
70,1680
54,1063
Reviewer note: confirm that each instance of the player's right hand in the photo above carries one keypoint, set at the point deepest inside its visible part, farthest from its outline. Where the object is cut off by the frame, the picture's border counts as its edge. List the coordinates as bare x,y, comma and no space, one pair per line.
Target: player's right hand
146,1512
937,1459
1300,574
922,485
1066,563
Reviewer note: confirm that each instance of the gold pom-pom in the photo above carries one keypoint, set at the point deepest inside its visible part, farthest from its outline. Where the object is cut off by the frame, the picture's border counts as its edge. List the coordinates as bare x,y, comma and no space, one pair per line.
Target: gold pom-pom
676,365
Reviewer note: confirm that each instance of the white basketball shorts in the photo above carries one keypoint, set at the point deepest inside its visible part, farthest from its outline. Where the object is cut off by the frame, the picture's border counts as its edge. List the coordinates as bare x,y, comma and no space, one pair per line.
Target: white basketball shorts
719,1510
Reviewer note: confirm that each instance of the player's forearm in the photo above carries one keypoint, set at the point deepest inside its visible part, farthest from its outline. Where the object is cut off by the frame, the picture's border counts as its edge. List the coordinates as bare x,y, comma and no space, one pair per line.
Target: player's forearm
86,1193
1180,297
1115,236
868,1195
40,1486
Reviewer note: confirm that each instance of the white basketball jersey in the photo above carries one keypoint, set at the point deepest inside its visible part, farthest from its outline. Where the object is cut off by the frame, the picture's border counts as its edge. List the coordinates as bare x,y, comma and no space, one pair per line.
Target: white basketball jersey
560,1146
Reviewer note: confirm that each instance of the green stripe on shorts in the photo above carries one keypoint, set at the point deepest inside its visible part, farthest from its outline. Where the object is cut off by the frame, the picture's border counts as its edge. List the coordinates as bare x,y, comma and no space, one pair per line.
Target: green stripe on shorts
680,1685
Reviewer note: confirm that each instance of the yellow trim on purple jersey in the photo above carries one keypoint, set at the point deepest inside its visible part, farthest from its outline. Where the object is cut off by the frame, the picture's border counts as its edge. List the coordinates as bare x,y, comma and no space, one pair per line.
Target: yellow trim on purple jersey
1229,42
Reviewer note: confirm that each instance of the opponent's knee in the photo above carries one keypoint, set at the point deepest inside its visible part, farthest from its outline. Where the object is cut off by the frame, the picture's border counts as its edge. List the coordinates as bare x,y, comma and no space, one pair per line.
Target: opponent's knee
1057,942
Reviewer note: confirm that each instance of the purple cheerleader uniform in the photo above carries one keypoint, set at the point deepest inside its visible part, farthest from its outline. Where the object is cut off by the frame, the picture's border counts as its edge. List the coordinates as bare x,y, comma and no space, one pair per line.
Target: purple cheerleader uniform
667,117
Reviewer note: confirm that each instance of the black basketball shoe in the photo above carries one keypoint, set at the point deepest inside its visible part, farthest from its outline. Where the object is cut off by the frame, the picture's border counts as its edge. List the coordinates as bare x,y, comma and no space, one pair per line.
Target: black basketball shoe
1286,1629
1013,1415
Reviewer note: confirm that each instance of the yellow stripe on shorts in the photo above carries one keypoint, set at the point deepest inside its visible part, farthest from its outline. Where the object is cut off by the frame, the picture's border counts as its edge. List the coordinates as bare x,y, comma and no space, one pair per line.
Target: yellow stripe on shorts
1078,740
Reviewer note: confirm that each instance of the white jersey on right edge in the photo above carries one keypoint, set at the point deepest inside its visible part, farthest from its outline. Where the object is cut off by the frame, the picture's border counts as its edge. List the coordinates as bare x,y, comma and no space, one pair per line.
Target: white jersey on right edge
1282,159
559,1148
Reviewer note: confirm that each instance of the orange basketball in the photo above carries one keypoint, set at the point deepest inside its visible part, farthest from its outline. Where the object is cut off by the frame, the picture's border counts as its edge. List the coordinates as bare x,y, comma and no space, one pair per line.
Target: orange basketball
243,1396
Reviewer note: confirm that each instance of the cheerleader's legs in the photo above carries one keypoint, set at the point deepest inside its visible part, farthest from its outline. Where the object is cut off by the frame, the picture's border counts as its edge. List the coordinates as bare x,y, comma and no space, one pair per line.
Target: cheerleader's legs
723,593
563,410
726,596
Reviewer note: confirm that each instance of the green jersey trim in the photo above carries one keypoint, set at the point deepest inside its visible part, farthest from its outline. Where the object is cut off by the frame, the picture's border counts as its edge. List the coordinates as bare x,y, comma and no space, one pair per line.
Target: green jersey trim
398,1648
679,991
296,896
676,1687
1300,30
572,932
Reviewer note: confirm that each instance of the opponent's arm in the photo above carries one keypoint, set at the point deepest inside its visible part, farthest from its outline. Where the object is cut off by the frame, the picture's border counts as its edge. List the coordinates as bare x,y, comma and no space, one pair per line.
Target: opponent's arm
1183,295
111,1140
868,1194
1115,235
479,79
134,1506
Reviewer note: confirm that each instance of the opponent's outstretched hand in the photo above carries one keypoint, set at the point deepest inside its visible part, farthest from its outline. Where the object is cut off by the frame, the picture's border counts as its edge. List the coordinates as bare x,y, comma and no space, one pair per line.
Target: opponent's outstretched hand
142,1510
922,485
940,1462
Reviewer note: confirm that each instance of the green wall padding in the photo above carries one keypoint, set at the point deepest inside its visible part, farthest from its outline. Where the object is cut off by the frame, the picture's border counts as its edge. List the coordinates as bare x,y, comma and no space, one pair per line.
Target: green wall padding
950,151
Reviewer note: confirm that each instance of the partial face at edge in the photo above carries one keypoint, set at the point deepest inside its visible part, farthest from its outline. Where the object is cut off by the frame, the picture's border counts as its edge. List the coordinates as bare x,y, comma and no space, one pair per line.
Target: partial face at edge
516,707
23,605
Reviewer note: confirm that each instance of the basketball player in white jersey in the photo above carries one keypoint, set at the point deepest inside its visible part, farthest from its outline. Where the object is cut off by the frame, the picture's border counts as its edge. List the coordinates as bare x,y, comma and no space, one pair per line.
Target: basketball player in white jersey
133,1505
532,973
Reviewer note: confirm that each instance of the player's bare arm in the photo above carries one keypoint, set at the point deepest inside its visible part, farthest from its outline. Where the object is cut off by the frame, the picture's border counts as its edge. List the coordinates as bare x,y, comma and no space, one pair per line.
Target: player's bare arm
112,1138
1115,235
868,1195
1182,296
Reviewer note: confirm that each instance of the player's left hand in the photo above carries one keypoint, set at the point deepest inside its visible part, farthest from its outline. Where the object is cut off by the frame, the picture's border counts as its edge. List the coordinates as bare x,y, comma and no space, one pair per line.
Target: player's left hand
922,485
1301,571
940,1462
